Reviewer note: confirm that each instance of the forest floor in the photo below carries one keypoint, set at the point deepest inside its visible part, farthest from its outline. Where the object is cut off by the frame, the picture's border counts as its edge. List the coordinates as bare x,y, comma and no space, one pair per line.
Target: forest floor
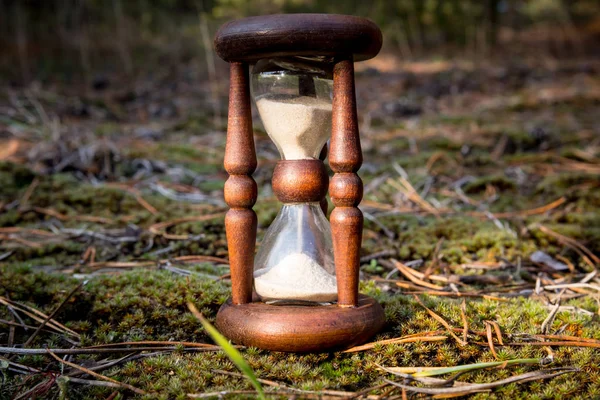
481,239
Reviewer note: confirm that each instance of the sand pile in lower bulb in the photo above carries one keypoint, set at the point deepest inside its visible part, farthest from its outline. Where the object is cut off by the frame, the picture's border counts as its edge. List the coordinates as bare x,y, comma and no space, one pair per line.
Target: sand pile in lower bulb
297,277
299,126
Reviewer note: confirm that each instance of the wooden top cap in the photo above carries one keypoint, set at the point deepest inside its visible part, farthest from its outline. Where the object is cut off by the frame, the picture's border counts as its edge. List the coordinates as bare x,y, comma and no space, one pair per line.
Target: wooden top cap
281,35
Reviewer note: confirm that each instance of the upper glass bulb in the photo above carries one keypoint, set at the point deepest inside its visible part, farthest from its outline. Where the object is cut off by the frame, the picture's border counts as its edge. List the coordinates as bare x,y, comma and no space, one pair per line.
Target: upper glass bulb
293,98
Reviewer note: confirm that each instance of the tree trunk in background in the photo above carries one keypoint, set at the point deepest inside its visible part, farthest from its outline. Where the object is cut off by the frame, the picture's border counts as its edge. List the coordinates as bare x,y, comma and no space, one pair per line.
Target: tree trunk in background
21,35
492,22
419,7
122,38
442,23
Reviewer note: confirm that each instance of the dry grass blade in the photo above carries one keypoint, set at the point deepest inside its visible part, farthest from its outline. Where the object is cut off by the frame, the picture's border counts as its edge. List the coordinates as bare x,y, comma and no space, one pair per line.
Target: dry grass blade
425,275
567,338
455,294
91,382
16,229
458,394
572,286
51,316
136,194
239,375
325,392
488,332
159,228
140,264
507,215
145,204
566,261
39,317
420,372
563,343
498,332
25,198
522,378
408,273
97,375
434,261
409,191
410,339
550,318
463,315
20,368
63,217
111,363
440,155
153,343
103,350
198,258
40,389
22,241
583,251
425,375
122,264
533,211
221,394
442,321
363,392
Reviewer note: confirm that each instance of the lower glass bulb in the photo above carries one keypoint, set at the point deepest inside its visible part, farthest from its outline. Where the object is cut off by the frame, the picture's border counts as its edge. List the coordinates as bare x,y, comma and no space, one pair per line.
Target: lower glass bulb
295,260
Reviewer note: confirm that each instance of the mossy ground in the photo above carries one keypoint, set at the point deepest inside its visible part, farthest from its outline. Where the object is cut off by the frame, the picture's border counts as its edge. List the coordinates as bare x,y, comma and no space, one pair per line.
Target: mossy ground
480,158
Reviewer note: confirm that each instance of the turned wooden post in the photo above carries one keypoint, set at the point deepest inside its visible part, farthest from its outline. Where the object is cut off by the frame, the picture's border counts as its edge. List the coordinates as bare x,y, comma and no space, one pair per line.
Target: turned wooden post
240,189
345,188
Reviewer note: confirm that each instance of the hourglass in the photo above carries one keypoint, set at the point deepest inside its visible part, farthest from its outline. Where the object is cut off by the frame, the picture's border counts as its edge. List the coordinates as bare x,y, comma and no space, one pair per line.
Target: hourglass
300,292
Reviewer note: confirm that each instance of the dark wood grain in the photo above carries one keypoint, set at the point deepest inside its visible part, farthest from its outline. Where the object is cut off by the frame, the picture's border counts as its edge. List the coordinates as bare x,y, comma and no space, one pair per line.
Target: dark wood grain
324,204
280,35
300,181
300,328
345,189
240,189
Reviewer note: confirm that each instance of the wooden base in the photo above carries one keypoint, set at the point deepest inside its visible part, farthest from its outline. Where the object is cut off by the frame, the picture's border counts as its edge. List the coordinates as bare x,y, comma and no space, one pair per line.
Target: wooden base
300,328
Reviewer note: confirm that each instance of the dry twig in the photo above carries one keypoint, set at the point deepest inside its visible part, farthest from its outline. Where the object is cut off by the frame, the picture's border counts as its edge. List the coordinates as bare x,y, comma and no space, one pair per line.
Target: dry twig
97,375
51,316
442,321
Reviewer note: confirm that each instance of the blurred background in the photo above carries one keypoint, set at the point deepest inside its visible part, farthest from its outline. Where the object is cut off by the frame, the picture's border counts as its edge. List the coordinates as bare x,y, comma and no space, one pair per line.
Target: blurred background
80,40
499,97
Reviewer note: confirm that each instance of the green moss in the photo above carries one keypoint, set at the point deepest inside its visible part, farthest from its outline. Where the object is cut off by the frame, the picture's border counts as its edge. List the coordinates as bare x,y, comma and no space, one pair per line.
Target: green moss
498,181
150,305
13,179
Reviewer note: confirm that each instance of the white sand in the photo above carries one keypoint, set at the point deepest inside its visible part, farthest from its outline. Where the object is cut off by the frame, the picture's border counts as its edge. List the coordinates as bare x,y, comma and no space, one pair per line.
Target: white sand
297,277
299,126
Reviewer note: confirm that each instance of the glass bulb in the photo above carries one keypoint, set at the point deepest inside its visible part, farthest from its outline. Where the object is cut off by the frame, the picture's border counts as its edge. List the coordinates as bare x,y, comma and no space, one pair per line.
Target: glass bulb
295,260
293,98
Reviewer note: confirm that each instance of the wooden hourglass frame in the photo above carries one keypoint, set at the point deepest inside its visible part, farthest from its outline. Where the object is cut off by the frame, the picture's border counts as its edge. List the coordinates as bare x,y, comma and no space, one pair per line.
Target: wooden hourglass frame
244,319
